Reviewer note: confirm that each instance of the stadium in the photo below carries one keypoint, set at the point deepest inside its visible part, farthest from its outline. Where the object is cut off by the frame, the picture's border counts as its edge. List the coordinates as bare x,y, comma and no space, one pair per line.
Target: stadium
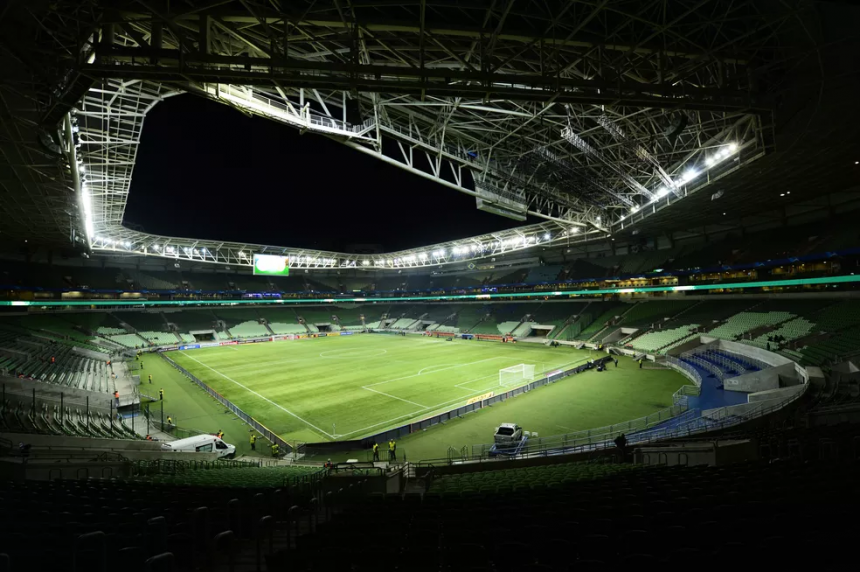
490,286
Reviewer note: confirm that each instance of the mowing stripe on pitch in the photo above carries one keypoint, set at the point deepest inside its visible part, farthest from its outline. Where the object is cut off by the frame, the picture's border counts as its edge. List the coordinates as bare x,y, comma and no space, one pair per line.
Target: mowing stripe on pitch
264,398
395,397
435,409
436,371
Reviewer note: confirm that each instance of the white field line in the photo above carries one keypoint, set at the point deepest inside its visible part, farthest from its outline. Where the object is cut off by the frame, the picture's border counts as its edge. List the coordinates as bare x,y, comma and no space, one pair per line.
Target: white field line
395,397
266,399
435,371
435,408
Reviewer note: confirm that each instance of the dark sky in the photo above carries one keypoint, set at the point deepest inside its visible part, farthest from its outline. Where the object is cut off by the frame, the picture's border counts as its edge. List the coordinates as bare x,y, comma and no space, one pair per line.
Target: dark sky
205,170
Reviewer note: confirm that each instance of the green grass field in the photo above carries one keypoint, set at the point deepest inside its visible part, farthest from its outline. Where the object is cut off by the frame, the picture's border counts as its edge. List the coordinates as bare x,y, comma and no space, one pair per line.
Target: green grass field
352,386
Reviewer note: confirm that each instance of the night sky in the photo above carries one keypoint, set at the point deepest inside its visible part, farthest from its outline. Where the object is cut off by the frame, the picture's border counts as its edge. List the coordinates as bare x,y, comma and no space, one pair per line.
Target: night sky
207,171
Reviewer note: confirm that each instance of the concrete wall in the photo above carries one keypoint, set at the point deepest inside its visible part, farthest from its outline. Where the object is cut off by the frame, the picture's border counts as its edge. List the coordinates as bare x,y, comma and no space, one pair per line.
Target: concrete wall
692,343
767,357
58,446
100,356
710,453
757,381
781,393
50,393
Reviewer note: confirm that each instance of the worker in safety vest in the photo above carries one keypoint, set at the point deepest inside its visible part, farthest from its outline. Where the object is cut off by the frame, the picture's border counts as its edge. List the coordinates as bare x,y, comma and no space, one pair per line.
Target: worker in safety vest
275,449
392,450
376,451
220,434
150,378
169,422
253,442
640,363
161,394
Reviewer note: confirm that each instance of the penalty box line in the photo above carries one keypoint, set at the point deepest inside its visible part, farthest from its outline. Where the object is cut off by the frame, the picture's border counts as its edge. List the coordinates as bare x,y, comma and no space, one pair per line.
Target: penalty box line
437,407
264,398
432,372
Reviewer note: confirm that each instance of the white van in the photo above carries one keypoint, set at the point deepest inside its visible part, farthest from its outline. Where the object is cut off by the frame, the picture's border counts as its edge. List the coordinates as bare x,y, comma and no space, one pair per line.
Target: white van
201,444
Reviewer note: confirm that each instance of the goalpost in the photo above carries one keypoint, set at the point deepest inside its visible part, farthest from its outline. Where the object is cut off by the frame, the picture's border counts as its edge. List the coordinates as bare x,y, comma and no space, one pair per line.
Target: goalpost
516,374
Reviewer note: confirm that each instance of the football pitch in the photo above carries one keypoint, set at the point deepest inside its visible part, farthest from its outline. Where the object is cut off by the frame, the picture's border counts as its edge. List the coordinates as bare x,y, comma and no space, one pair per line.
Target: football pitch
347,387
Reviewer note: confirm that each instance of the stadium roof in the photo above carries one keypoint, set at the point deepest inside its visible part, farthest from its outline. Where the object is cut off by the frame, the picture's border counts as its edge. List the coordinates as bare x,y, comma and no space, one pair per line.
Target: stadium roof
597,118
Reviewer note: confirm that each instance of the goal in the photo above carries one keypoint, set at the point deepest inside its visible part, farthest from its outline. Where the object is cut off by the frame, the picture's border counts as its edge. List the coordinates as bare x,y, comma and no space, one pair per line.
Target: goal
516,374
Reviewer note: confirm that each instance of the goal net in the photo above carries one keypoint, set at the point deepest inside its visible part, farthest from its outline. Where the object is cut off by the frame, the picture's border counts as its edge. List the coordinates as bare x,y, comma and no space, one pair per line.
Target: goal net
516,374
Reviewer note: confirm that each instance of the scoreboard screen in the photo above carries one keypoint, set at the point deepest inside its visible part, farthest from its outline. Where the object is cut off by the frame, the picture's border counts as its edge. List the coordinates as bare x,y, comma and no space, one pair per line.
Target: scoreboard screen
269,265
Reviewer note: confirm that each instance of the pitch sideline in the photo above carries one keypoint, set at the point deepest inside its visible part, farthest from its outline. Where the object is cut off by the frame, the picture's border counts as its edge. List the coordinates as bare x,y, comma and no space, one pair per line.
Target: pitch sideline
264,398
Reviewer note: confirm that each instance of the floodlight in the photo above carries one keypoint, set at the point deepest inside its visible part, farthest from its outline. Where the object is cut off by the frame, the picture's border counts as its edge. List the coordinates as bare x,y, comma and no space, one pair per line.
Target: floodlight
155,247
710,161
423,256
546,236
690,174
390,262
241,254
598,219
633,209
82,169
365,262
439,253
126,244
574,230
732,147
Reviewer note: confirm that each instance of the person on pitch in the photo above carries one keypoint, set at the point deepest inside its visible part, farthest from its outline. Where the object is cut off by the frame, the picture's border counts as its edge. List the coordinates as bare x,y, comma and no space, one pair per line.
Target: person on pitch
375,451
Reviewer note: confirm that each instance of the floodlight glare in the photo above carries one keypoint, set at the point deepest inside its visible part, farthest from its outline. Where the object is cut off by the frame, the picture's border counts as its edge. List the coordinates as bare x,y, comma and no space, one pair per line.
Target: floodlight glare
732,147
689,175
241,254
710,161
574,230
546,236
423,256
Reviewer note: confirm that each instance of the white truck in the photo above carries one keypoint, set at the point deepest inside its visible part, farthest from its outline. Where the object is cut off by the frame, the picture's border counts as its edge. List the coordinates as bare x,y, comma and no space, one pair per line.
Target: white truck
508,435
201,444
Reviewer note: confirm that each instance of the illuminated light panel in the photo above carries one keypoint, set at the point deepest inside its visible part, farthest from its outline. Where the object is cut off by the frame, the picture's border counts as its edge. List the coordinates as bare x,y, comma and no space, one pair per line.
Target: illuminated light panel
536,295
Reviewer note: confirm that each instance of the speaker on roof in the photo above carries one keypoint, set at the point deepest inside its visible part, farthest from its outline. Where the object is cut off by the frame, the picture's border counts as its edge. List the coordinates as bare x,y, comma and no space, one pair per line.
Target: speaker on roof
676,125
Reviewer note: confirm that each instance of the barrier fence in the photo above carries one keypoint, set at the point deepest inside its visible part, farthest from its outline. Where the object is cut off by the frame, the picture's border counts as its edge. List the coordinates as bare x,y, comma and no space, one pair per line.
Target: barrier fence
262,429
310,450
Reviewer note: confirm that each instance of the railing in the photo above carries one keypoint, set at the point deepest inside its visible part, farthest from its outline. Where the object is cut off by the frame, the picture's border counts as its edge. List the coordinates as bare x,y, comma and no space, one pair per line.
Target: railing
262,429
691,424
142,468
684,369
586,438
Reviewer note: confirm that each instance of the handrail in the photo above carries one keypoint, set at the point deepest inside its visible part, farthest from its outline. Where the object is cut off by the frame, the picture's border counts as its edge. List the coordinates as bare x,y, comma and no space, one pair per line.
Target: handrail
588,437
694,426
